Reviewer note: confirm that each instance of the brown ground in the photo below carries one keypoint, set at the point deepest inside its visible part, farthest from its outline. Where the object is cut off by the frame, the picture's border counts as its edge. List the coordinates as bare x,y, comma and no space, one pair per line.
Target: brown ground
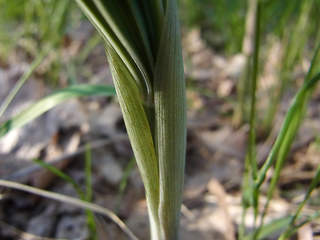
214,164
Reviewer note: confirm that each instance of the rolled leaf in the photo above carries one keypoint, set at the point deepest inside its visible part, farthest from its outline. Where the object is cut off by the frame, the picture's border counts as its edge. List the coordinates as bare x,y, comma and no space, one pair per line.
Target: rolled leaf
144,51
170,113
139,133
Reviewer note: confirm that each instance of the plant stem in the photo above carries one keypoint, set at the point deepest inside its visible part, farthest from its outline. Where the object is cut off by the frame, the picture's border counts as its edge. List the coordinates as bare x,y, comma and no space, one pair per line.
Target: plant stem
247,50
170,110
253,88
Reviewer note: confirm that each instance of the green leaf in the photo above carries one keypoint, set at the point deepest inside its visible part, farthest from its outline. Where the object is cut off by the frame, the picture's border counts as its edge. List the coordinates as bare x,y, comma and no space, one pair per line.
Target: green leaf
170,117
87,196
313,185
53,100
116,24
5,104
123,183
282,145
57,172
144,51
289,126
295,228
139,133
271,228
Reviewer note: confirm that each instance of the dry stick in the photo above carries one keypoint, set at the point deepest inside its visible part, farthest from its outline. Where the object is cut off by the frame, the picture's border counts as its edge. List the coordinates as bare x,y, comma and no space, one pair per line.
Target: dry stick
72,201
96,144
192,219
215,188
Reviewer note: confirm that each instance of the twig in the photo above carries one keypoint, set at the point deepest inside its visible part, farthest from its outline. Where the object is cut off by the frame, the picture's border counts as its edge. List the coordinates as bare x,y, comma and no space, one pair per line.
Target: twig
217,189
96,144
73,201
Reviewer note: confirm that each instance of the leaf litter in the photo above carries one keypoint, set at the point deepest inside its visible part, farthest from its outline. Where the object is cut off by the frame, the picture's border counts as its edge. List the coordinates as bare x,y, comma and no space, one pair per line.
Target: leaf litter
215,156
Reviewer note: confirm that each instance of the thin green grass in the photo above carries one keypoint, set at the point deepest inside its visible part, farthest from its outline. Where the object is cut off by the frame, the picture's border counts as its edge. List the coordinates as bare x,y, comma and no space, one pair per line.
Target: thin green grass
254,177
5,104
291,226
251,168
270,228
280,150
88,193
295,41
57,172
51,101
293,24
84,195
28,26
123,183
87,49
295,228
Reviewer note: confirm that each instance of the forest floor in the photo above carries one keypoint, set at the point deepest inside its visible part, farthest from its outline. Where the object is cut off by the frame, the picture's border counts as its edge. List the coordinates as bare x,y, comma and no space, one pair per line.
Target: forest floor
214,164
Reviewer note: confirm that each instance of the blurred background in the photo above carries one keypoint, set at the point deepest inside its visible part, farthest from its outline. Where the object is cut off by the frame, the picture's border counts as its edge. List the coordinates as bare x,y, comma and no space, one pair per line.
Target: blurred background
56,44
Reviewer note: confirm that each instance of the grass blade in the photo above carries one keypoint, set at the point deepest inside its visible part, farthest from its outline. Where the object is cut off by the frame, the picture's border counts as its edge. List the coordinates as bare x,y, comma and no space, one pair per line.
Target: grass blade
87,196
298,102
22,81
61,175
270,228
123,184
284,141
307,220
53,100
312,186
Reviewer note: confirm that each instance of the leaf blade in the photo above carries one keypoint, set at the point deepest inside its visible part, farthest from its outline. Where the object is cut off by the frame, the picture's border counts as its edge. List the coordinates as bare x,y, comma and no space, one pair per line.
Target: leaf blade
139,133
170,114
53,100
